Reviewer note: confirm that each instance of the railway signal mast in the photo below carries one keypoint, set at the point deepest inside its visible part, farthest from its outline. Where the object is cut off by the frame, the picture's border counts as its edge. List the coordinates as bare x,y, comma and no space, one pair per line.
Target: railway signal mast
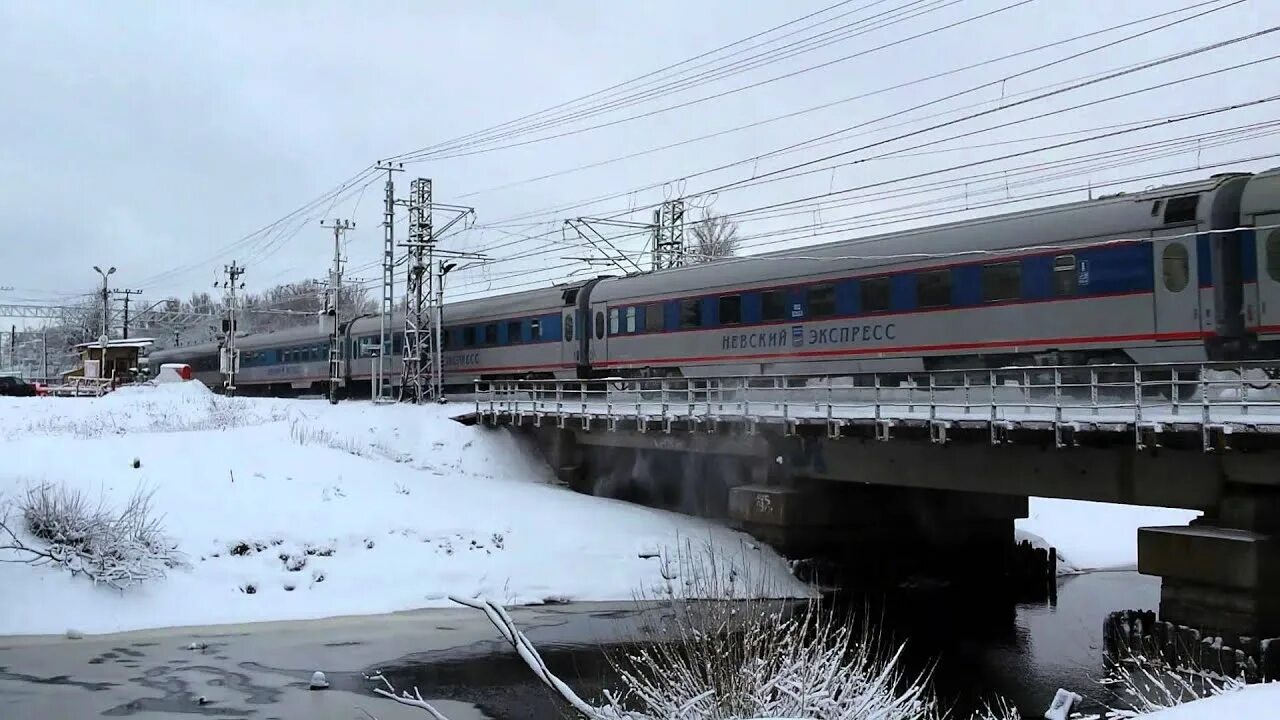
229,358
333,294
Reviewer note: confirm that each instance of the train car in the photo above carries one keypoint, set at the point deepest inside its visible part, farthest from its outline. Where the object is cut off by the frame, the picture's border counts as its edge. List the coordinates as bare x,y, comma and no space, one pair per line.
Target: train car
1123,278
518,335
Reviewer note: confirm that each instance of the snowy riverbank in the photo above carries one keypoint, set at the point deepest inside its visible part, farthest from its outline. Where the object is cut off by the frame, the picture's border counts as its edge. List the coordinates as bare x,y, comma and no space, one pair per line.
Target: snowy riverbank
291,509
299,509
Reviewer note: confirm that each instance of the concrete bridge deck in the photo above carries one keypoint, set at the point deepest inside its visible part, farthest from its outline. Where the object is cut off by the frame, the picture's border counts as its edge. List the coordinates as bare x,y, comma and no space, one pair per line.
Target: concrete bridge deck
1141,402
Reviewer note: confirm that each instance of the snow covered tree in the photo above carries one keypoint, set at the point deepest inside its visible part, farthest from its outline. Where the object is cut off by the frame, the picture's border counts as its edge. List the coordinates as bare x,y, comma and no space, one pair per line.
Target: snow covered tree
715,236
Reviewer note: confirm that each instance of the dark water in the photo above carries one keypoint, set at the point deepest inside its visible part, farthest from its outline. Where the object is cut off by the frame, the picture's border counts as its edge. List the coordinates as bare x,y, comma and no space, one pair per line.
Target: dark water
977,649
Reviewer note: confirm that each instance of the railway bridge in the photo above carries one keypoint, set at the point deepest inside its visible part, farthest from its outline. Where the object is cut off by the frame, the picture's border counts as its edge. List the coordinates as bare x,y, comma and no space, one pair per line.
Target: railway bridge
938,465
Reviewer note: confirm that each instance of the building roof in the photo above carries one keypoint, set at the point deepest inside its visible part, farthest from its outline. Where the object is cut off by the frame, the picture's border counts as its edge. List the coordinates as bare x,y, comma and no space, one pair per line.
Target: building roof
129,343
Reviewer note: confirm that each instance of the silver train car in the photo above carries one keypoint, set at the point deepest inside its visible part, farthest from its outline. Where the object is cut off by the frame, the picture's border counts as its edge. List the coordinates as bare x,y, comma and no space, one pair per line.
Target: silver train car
1185,272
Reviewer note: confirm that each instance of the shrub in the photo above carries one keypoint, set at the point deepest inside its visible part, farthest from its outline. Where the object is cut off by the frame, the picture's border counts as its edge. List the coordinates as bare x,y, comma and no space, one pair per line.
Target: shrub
117,548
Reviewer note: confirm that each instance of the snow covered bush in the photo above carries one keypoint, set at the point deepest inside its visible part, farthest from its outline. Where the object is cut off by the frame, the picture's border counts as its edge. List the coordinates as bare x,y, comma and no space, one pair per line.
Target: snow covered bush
730,658
1147,684
739,659
116,548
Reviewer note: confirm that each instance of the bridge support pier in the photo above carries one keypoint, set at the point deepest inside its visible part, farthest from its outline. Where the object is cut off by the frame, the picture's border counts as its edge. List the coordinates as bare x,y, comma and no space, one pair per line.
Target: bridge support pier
885,532
1221,574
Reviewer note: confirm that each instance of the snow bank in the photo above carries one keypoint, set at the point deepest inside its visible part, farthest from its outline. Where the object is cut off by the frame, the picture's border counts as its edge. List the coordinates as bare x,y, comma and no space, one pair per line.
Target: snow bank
1253,702
299,509
1093,536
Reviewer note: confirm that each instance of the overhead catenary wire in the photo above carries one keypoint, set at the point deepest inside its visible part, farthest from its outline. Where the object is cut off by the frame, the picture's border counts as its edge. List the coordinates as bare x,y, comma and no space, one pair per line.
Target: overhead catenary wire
845,100
689,103
1167,121
1047,91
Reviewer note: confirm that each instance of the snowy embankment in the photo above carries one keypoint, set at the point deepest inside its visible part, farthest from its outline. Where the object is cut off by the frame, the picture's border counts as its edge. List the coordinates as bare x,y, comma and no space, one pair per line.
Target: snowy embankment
299,509
1254,702
1093,536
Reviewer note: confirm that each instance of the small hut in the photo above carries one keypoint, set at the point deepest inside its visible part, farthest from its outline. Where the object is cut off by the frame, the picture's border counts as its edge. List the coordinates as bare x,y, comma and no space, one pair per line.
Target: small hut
117,361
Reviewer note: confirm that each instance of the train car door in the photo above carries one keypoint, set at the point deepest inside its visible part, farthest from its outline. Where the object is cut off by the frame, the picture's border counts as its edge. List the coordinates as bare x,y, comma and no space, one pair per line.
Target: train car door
1177,287
569,335
1268,247
600,332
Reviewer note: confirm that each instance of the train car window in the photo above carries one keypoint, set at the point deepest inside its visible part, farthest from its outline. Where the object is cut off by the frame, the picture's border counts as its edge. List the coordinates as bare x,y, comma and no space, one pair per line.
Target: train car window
568,327
1064,275
570,296
690,313
1002,281
874,294
445,341
1181,209
631,319
653,317
515,334
469,336
599,325
822,300
614,321
491,334
773,305
730,309
535,330
933,288
1155,208
1176,264
1273,255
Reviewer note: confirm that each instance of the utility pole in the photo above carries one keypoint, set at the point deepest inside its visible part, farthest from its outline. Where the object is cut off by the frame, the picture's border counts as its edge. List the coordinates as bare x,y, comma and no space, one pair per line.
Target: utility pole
668,238
422,334
332,297
230,360
13,346
417,366
125,324
381,389
44,352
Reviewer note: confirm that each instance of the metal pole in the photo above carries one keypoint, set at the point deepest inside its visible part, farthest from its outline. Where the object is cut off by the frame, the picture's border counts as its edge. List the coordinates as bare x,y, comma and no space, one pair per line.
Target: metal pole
332,306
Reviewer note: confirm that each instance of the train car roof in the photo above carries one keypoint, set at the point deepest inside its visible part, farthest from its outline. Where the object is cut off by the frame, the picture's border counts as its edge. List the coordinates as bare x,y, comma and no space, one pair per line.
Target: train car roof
1114,216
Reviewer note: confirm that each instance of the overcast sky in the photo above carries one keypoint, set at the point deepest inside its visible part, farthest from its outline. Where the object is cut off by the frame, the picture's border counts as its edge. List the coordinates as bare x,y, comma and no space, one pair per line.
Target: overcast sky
153,136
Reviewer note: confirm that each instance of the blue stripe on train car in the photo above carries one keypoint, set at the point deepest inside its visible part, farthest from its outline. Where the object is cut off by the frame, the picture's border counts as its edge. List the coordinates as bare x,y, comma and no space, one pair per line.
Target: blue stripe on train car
1118,269
902,292
847,300
1248,255
966,285
1204,260
752,308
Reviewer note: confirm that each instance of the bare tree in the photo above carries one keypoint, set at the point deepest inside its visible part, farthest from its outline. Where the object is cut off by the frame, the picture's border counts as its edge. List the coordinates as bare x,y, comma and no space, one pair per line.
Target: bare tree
715,236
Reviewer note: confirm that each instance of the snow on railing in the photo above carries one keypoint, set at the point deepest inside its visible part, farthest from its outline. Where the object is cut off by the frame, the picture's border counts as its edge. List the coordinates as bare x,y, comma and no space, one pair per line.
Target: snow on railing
1215,398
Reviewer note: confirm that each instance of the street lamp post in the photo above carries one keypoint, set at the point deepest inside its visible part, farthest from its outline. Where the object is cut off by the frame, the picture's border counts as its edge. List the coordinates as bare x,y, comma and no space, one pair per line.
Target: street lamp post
102,340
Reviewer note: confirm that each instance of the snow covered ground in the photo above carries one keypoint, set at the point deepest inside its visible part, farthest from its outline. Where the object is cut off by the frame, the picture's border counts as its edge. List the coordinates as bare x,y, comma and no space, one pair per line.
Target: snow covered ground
291,509
1093,536
1255,702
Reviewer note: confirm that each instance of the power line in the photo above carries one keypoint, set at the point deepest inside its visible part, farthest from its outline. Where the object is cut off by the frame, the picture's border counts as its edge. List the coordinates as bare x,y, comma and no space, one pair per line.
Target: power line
416,156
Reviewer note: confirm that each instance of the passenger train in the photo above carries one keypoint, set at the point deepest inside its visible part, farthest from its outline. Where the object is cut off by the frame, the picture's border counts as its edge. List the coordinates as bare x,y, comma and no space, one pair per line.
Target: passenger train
1186,272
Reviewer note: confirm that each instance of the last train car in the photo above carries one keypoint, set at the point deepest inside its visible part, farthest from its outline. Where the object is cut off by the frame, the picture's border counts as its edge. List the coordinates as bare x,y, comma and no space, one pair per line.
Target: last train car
1125,278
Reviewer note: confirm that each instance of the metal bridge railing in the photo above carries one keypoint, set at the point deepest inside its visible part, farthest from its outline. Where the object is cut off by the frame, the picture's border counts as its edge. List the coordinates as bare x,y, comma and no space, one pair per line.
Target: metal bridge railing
1142,399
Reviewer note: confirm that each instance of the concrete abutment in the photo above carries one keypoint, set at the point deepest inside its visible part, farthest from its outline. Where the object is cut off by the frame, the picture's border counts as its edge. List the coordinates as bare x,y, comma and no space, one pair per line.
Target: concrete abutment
1221,574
